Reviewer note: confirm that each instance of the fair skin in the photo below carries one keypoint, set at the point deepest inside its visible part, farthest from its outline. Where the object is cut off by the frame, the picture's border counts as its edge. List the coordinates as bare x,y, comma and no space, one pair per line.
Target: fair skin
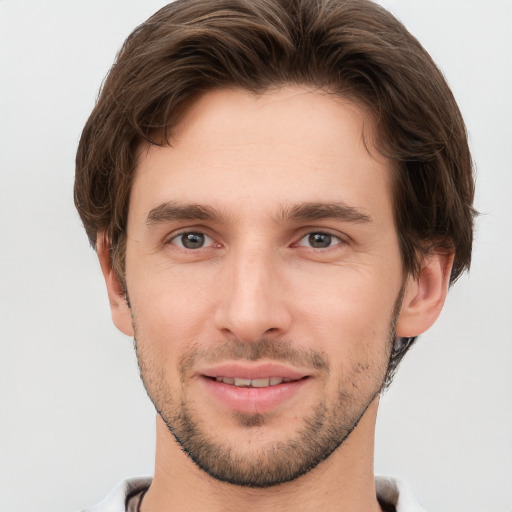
262,246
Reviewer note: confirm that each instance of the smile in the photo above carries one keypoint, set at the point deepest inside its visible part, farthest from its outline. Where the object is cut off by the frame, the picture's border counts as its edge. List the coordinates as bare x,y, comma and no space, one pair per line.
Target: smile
253,388
254,383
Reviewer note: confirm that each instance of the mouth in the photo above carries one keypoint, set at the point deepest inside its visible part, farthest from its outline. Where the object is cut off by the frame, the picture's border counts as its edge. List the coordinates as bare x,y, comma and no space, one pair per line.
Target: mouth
255,383
254,388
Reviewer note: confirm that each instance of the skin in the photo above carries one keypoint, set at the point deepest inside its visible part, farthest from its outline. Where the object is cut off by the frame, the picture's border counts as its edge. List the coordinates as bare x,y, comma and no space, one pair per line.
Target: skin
262,167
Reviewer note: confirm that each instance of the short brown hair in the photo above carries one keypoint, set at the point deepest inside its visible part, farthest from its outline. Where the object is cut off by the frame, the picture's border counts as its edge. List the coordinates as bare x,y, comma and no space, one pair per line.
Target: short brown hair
353,48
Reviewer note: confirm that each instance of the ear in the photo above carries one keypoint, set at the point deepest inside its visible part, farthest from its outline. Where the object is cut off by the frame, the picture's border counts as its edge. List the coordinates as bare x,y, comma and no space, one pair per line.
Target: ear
121,314
424,295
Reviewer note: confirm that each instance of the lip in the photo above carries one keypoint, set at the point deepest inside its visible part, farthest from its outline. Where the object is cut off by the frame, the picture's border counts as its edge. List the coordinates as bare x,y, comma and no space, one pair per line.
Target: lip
252,400
253,371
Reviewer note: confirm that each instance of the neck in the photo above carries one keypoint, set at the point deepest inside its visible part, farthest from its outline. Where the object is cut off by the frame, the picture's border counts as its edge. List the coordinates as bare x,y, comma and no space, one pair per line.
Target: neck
343,482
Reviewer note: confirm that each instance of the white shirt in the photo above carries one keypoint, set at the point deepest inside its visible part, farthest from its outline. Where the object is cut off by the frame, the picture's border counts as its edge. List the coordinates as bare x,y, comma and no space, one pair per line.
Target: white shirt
389,490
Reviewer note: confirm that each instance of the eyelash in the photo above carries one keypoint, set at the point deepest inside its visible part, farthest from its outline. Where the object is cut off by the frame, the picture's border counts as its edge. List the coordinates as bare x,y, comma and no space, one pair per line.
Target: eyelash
331,238
180,236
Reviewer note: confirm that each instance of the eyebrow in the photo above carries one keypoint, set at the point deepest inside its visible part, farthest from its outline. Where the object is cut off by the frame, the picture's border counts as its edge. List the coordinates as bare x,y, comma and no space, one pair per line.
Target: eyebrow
172,211
319,211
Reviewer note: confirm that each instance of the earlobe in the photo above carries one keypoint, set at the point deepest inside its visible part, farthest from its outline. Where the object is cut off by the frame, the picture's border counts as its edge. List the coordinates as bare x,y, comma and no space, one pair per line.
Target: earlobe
424,295
121,314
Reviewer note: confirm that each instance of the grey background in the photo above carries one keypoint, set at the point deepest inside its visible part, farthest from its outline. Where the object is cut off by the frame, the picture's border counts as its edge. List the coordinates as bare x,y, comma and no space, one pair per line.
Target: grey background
74,419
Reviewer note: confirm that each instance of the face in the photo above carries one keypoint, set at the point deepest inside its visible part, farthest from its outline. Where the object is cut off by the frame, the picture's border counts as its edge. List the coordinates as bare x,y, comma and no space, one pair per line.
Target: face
264,275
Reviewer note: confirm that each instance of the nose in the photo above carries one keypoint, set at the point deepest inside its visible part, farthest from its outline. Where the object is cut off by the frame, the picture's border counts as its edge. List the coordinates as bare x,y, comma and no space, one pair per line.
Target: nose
252,301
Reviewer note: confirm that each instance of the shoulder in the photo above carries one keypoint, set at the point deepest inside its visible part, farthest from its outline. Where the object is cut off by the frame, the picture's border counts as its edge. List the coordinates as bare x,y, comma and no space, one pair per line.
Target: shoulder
395,492
116,499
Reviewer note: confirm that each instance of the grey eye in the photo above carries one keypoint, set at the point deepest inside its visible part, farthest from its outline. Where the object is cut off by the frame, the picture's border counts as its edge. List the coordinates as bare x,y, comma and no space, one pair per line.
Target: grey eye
192,240
319,240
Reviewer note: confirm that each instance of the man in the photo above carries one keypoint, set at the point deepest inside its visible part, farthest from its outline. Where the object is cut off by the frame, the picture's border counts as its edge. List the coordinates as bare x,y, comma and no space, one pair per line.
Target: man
280,194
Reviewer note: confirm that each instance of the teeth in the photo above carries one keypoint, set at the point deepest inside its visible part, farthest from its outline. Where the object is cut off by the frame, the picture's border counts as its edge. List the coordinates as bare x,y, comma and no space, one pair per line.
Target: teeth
226,380
242,382
253,383
260,383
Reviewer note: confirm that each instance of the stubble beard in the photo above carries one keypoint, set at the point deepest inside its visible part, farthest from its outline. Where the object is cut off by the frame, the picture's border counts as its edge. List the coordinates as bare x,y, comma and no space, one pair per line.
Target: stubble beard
319,435
322,432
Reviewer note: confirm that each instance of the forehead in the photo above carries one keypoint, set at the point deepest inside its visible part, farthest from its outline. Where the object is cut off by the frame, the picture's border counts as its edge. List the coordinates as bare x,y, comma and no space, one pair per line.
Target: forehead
233,148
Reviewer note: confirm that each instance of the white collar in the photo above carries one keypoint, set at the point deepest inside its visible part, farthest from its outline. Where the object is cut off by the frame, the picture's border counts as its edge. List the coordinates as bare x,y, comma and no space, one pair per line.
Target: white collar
390,490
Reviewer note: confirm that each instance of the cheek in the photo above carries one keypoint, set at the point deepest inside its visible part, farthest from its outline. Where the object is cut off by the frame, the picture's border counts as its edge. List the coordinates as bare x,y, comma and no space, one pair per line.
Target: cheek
356,338
351,322
359,303
171,307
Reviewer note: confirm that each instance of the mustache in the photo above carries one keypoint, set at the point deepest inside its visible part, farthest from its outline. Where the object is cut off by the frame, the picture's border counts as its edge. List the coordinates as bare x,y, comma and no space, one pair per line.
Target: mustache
262,349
